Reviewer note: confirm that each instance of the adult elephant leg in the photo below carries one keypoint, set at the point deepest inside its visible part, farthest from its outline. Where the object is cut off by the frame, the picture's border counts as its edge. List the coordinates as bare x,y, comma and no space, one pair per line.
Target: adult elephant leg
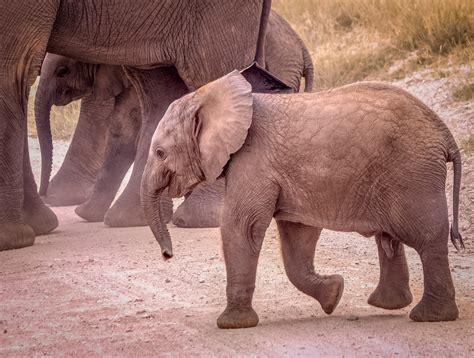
127,210
120,153
37,215
298,243
14,233
74,182
23,41
393,290
202,207
156,89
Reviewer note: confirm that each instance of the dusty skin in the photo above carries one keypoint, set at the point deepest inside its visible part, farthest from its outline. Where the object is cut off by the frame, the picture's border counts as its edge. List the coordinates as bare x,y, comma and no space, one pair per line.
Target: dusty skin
91,290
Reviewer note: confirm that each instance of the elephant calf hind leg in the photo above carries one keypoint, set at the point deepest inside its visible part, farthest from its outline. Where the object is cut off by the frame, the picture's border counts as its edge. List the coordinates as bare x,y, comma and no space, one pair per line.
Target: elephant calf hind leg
438,301
393,290
298,245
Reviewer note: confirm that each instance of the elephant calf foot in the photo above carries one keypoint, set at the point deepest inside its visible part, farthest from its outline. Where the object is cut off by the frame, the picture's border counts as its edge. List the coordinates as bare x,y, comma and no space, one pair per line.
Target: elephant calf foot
41,219
92,210
331,292
237,317
390,297
431,310
16,236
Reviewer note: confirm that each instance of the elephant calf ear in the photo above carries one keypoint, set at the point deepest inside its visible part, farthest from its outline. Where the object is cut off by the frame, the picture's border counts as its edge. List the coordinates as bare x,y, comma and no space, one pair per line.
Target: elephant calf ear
109,81
225,114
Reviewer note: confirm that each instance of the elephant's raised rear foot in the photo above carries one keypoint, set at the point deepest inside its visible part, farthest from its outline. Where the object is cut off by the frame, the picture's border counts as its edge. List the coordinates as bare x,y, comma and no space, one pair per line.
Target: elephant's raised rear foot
16,236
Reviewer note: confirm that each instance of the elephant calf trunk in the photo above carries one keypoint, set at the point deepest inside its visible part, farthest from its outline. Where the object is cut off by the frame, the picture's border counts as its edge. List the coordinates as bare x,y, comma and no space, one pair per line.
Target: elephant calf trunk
152,207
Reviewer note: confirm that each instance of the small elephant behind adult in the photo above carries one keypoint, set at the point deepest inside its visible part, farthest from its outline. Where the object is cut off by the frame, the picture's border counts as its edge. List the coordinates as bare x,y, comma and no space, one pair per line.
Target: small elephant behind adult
64,80
105,140
93,169
367,158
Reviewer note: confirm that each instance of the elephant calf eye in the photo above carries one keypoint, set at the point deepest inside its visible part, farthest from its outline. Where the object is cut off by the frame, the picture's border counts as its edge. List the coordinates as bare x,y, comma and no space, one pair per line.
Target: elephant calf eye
160,153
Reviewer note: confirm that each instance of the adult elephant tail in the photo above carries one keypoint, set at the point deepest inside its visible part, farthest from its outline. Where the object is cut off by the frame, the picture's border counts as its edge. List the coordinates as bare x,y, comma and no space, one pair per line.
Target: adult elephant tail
455,156
262,33
43,104
308,69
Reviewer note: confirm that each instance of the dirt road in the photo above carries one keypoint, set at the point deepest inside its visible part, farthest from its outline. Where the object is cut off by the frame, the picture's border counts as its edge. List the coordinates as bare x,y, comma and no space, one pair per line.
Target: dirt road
88,290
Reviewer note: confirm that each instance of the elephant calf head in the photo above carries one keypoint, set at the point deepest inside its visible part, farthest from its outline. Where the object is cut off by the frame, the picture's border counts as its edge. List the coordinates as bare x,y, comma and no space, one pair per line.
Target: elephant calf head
192,144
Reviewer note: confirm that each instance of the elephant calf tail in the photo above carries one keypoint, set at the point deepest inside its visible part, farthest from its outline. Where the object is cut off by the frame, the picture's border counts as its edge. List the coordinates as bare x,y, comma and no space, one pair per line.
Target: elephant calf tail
455,157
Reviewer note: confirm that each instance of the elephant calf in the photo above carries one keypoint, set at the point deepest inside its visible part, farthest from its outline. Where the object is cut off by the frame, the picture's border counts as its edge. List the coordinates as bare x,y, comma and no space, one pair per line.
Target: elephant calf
367,157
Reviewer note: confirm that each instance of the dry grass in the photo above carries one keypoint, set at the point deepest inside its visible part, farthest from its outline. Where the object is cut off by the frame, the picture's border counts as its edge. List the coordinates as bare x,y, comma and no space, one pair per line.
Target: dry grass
465,92
467,145
354,40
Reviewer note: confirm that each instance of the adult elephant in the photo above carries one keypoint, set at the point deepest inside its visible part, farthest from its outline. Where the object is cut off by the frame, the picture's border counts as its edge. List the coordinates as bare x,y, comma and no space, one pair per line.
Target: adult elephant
64,79
189,34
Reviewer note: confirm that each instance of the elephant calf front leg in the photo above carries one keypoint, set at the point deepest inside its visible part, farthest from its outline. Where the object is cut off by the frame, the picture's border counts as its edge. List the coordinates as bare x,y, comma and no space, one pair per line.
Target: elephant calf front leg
244,223
298,244
393,290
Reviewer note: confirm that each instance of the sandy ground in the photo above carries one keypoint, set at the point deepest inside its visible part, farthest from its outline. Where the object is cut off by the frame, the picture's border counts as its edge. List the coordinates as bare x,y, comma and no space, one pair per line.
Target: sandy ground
91,290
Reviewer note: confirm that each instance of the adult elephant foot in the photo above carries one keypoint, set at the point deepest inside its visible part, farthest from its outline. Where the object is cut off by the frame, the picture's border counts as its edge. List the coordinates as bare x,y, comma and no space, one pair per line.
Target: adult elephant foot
16,236
93,210
202,208
68,192
127,212
40,218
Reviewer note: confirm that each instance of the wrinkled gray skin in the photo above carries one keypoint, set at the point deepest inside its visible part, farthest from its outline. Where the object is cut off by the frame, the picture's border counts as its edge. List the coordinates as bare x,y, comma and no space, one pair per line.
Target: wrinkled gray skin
285,56
358,158
107,32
